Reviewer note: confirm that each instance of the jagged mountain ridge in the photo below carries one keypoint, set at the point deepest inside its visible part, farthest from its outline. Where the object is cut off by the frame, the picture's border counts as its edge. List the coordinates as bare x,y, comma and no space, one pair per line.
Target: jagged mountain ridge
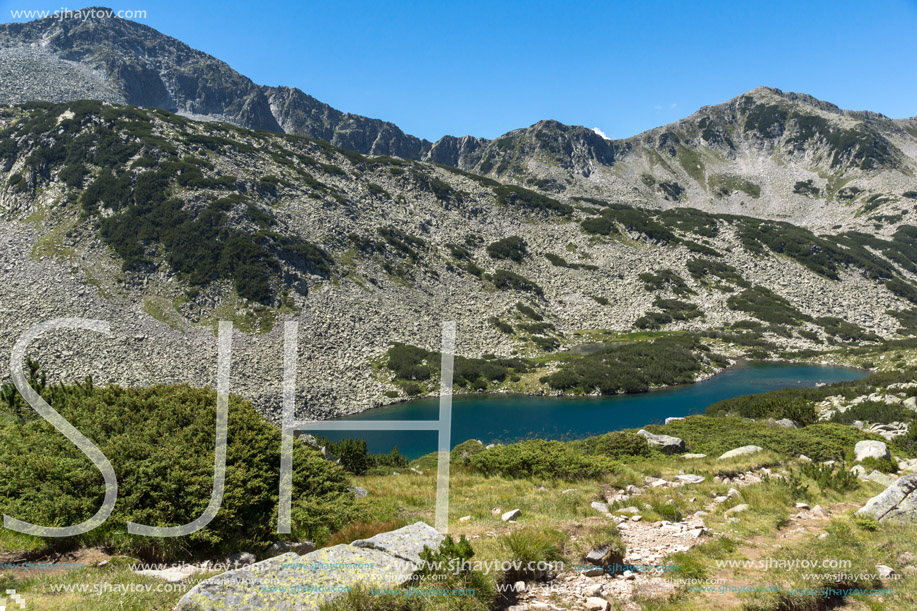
722,158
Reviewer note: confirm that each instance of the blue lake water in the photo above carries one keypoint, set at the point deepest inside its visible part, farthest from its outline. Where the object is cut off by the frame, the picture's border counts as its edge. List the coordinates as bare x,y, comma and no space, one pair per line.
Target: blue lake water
507,418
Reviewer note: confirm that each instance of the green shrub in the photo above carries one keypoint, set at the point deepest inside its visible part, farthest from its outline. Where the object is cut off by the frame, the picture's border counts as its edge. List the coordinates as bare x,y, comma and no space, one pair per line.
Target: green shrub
413,364
806,188
619,444
540,458
507,280
885,465
630,367
631,219
766,305
512,195
665,279
830,477
528,312
48,481
701,268
714,436
512,248
875,411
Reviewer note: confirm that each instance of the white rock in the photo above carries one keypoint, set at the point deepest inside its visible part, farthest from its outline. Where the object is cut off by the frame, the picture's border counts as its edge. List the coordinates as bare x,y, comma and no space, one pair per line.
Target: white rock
511,515
884,571
870,449
744,450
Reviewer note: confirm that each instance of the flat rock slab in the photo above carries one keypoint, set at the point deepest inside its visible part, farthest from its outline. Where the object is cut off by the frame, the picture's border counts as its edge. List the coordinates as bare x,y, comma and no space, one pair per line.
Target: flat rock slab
897,503
665,443
744,450
297,583
691,479
406,543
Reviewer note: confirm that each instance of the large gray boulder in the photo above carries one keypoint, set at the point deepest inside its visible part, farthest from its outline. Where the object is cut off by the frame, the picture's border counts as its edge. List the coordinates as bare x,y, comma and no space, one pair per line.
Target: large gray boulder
870,449
744,450
896,504
291,582
406,543
665,443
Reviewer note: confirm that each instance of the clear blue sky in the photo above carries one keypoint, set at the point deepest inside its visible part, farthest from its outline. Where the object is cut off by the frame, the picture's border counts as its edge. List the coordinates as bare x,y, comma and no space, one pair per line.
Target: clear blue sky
484,68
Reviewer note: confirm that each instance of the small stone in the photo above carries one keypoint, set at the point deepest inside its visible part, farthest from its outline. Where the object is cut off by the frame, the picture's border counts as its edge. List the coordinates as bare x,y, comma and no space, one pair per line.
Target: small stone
738,509
804,458
465,519
885,571
819,512
601,507
511,515
802,505
689,456
636,518
519,586
593,603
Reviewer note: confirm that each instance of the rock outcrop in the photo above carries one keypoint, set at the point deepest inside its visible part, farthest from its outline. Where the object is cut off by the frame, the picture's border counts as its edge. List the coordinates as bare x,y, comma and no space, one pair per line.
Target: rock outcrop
291,582
666,444
896,504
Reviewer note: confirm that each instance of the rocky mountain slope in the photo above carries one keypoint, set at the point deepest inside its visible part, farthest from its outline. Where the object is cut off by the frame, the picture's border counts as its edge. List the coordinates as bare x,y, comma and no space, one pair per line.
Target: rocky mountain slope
163,225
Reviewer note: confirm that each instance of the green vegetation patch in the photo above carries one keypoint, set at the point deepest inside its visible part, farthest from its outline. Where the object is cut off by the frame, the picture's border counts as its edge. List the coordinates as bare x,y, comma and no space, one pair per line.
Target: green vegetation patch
632,367
716,435
724,185
512,248
671,310
48,481
766,305
506,280
702,268
520,197
540,458
665,279
411,366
